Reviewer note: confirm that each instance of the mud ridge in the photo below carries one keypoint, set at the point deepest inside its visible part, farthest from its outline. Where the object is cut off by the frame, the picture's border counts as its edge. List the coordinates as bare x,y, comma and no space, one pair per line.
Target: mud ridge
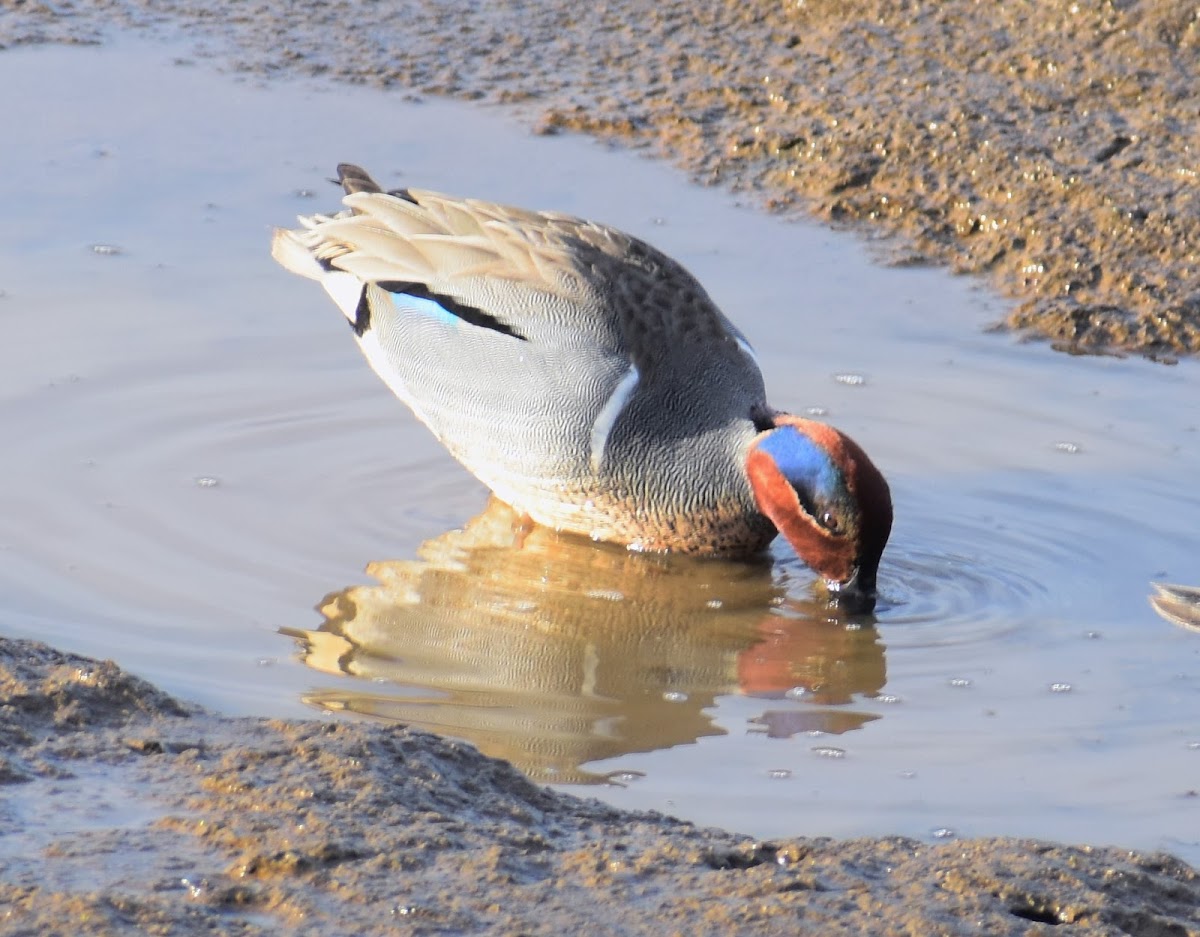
200,824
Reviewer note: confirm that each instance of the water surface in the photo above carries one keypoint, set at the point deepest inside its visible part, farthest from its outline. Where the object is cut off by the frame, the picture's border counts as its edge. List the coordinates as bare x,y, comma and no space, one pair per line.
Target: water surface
206,483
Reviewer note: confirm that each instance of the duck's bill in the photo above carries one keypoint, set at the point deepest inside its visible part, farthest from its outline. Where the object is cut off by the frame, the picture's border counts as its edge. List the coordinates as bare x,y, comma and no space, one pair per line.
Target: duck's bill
854,597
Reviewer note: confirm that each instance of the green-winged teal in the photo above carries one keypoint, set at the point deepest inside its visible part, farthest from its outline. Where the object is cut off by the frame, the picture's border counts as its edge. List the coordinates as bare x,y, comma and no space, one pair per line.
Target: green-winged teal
589,381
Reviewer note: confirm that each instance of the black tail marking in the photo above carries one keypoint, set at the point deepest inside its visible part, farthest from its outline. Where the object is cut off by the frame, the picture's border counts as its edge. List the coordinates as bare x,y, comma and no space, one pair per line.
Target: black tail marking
469,314
362,314
356,179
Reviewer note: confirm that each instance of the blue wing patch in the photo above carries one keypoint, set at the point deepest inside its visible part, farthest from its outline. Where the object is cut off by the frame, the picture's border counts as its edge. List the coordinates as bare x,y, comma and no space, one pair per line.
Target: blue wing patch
429,308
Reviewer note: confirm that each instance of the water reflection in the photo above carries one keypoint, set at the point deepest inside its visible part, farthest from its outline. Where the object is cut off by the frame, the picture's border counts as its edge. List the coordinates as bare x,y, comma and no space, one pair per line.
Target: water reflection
553,652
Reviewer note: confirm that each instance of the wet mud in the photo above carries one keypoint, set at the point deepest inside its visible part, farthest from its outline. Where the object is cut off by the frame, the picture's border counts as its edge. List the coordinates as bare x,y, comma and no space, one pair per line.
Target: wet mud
1052,147
126,810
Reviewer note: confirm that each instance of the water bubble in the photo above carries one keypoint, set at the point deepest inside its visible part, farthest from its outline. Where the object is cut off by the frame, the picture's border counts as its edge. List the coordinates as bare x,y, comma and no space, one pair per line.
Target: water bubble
107,250
796,693
626,777
1060,688
850,380
1092,635
907,775
207,481
1071,448
943,832
960,682
816,411
1193,746
266,661
779,774
828,751
304,193
714,603
658,221
887,698
674,696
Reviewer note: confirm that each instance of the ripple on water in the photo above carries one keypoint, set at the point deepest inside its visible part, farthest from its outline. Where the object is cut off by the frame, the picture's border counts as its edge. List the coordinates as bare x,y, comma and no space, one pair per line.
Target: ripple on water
191,477
971,577
193,481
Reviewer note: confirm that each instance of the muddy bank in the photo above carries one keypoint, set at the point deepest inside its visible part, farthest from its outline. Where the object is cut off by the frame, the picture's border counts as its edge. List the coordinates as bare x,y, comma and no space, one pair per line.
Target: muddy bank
1054,148
195,823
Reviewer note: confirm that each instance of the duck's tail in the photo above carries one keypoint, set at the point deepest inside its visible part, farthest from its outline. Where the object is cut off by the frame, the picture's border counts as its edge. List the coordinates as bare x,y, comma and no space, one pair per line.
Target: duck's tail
289,250
293,251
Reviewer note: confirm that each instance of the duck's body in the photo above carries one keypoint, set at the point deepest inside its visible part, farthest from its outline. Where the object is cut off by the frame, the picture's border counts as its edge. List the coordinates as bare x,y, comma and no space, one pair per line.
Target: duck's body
583,376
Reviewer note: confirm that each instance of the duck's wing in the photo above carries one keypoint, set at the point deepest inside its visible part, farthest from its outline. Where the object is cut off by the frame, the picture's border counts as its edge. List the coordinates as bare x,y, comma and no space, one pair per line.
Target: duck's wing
531,339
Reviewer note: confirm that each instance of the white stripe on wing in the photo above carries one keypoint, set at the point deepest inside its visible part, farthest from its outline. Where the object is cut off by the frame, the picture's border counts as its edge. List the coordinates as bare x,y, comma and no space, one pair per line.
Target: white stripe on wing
610,413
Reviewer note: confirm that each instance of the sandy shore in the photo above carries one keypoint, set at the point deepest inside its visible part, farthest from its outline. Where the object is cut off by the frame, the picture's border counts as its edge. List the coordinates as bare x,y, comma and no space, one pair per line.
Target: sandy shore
1054,149
127,810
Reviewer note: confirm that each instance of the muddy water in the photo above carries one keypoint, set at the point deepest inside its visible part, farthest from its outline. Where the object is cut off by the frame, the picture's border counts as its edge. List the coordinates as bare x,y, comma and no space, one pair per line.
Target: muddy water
205,483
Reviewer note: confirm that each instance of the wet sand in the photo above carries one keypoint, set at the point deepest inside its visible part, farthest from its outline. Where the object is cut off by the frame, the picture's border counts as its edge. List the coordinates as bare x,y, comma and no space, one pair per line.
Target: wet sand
987,160
1054,149
127,810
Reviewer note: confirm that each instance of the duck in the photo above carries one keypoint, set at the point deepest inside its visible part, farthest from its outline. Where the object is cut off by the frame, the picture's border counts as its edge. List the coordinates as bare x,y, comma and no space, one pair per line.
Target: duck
589,381
1180,605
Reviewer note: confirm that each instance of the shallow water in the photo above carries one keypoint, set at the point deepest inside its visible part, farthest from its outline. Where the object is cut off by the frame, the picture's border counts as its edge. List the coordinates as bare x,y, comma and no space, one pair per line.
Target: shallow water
198,457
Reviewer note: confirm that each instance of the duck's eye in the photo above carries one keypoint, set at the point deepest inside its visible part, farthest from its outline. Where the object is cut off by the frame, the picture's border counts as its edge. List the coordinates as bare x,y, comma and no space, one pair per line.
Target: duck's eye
830,522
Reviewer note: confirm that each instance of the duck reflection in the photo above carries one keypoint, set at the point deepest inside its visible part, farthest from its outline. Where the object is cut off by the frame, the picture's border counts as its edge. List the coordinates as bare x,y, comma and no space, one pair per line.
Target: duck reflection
552,652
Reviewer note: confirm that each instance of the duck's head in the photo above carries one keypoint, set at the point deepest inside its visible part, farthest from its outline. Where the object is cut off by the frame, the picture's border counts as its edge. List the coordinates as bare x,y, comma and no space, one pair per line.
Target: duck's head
825,496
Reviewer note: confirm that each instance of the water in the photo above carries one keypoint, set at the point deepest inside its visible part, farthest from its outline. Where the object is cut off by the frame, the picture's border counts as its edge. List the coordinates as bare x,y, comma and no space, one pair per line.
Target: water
205,482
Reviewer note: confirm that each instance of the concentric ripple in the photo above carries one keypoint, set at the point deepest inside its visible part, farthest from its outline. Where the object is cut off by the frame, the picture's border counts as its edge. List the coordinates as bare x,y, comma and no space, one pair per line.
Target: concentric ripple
189,487
970,578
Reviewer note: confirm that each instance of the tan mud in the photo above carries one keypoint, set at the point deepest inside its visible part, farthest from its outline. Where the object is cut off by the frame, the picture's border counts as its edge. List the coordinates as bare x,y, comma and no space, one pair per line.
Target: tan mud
203,824
1054,147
